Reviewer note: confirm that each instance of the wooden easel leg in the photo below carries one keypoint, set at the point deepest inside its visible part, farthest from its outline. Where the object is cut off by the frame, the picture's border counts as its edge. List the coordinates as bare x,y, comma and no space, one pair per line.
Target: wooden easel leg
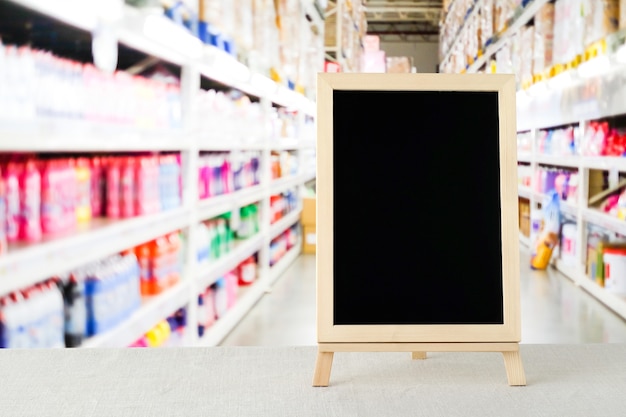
418,355
323,364
514,368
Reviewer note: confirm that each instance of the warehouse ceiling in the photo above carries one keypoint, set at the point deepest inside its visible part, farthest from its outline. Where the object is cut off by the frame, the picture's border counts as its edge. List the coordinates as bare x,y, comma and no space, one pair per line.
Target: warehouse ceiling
404,20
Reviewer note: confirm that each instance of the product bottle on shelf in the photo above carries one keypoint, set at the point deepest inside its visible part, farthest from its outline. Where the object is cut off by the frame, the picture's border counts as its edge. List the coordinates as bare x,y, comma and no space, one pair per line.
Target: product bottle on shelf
3,219
113,188
127,188
50,208
30,203
12,202
98,182
83,188
69,193
75,312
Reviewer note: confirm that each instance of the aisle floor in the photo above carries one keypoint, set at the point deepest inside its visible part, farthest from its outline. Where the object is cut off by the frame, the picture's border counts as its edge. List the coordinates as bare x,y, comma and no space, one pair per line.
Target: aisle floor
554,310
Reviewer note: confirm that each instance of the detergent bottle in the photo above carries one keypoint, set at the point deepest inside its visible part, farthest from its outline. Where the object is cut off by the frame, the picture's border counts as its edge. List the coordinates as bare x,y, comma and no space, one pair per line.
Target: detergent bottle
3,212
30,203
113,188
12,201
83,188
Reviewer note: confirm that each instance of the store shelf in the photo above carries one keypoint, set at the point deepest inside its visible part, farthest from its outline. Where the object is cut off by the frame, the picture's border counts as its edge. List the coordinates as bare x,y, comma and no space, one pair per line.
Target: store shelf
249,297
525,157
615,302
210,272
284,223
560,161
158,36
215,206
223,145
63,136
524,192
606,163
27,264
152,311
457,37
77,13
579,98
289,144
523,17
568,208
524,240
604,220
282,184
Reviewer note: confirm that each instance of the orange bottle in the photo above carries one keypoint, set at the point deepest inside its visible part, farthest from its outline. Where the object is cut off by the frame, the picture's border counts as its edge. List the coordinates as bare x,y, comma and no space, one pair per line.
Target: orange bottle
174,253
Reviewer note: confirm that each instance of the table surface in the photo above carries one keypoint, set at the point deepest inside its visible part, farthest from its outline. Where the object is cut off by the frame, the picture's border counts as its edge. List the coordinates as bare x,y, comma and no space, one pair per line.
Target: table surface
563,380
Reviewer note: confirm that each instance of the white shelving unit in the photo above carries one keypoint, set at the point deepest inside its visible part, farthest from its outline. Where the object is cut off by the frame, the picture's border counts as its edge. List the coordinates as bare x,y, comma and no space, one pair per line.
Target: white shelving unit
157,36
594,90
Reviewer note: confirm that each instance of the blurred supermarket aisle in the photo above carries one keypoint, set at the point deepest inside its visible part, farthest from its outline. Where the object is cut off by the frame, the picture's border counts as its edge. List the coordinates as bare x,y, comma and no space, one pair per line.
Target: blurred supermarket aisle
554,310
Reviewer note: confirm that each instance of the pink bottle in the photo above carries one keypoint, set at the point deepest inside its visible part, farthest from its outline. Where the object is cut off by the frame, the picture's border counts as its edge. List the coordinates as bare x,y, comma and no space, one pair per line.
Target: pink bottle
232,285
30,203
69,185
113,188
142,186
154,202
127,187
50,209
3,212
227,176
97,187
12,201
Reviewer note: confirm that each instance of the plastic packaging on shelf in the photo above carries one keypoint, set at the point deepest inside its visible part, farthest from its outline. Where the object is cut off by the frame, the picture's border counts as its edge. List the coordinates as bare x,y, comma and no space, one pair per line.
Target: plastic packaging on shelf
569,30
561,181
112,292
160,264
215,237
168,332
601,18
280,245
73,91
248,271
33,317
282,204
216,300
544,40
548,237
601,139
283,164
524,175
221,173
569,243
559,142
49,195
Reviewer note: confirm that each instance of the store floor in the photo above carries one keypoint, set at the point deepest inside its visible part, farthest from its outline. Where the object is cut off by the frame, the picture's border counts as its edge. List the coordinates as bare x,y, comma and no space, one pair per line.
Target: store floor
554,310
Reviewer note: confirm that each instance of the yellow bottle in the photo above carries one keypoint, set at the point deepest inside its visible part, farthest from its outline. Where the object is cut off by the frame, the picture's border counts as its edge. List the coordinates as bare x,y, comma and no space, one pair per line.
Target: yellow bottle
83,190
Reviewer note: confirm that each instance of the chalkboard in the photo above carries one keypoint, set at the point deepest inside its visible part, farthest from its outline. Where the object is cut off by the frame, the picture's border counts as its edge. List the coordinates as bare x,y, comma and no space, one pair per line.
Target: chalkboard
416,203
417,208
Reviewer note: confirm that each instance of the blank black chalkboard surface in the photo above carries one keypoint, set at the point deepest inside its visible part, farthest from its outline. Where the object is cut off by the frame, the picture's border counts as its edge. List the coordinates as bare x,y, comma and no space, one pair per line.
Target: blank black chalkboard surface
417,234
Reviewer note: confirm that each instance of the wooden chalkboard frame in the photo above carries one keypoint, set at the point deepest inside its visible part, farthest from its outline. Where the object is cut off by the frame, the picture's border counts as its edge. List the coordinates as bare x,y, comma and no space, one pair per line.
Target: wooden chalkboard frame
418,338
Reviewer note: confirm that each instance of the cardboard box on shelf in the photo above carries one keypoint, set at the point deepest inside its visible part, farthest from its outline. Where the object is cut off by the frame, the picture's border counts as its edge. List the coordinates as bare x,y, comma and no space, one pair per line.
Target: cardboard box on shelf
307,218
373,62
371,43
309,241
398,64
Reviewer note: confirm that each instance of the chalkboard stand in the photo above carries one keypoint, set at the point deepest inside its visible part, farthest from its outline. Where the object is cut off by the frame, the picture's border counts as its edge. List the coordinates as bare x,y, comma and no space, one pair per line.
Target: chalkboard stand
363,111
510,351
